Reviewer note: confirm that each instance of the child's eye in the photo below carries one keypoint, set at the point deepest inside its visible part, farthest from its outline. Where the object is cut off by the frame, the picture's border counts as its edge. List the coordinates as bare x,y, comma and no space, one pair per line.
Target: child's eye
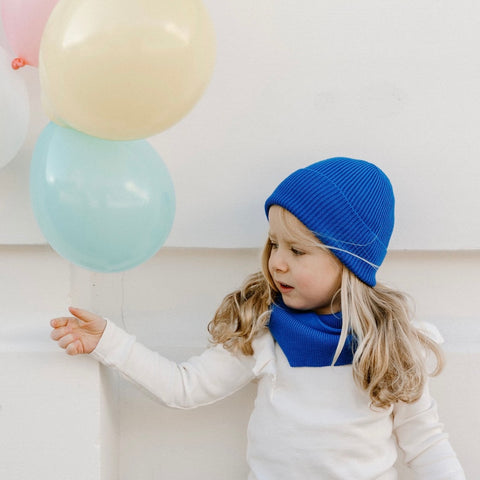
297,252
273,244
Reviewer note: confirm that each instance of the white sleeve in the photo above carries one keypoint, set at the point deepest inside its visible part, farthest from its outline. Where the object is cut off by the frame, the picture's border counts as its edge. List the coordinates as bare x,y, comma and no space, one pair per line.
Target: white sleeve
425,445
202,380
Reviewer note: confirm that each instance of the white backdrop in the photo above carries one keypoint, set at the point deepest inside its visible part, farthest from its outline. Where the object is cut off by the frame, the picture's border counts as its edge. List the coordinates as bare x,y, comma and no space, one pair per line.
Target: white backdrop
394,82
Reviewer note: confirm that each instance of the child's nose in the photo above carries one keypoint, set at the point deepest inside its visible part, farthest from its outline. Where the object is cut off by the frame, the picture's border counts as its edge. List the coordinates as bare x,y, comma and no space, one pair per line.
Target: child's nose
278,261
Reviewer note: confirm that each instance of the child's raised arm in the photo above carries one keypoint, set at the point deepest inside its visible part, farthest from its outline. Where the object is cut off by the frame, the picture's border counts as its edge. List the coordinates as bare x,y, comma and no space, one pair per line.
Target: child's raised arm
80,333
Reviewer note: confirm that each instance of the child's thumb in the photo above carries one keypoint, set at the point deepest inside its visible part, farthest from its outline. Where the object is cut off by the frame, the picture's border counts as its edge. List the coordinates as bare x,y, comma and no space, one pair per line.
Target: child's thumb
83,315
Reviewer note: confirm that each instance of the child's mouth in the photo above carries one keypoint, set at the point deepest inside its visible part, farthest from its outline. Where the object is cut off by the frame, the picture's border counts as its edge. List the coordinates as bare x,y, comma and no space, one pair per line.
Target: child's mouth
284,287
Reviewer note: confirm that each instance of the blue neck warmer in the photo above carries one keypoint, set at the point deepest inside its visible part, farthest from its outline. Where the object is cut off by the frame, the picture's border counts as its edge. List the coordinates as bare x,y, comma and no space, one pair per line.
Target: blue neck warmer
308,339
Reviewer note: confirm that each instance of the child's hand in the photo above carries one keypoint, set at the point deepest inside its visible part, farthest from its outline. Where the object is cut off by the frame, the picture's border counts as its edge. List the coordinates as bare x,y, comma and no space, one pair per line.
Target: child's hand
80,333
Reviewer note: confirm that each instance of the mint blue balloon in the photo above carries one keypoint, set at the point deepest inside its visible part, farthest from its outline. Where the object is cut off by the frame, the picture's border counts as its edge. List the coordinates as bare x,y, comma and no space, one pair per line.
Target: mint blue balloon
104,205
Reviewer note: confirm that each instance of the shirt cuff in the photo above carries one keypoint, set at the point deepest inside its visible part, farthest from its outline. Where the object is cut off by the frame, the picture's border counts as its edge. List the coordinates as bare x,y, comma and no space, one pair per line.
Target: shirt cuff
114,346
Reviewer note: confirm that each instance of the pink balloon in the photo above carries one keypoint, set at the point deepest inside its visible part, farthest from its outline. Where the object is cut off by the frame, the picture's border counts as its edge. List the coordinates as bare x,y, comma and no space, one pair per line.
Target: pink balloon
23,22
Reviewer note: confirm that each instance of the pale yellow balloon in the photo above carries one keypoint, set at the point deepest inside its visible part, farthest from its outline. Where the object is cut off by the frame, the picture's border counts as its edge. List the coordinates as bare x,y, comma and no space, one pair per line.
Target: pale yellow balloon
47,108
125,69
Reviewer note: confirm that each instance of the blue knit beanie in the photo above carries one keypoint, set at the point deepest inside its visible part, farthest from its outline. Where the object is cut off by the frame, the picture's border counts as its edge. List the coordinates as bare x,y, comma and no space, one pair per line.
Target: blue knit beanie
349,206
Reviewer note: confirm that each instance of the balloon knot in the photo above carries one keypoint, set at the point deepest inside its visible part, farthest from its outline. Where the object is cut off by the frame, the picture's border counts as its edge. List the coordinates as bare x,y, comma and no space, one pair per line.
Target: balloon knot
18,63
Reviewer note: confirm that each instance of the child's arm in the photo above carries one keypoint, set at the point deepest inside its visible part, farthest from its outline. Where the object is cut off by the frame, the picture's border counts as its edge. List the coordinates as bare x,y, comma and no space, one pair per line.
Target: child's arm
80,333
201,380
425,445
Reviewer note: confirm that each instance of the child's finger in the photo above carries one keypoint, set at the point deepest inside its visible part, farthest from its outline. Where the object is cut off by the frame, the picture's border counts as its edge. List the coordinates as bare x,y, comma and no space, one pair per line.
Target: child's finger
59,322
59,332
83,315
74,348
66,340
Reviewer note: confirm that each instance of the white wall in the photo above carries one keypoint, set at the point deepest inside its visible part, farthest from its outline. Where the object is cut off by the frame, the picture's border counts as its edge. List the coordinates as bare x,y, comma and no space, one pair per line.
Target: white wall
393,82
53,406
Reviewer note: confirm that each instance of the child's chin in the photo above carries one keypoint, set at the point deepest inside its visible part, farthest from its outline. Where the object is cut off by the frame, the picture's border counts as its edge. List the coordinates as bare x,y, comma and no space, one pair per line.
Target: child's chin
294,305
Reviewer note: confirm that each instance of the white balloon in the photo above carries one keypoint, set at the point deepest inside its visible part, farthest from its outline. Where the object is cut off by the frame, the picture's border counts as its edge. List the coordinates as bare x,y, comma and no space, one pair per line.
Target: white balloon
14,110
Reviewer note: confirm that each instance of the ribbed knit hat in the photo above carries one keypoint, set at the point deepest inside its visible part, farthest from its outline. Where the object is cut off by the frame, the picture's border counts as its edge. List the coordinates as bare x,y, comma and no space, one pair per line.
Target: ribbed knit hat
348,204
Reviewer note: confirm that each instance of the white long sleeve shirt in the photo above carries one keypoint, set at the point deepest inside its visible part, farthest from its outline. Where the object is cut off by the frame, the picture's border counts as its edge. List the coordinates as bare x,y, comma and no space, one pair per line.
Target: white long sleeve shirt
307,423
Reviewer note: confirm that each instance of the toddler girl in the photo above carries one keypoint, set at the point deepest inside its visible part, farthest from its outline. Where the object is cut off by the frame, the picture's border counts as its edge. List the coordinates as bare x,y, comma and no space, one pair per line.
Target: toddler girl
341,370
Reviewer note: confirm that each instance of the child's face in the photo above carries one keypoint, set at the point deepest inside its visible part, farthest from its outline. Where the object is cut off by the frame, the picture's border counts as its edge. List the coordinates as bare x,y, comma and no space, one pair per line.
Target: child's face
306,275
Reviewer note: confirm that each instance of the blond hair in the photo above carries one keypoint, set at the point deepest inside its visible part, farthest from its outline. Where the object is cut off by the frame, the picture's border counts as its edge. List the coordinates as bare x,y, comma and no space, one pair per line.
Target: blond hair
389,362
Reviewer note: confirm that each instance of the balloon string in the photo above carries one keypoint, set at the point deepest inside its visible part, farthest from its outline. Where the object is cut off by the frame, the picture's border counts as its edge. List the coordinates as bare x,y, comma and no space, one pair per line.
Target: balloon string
18,63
